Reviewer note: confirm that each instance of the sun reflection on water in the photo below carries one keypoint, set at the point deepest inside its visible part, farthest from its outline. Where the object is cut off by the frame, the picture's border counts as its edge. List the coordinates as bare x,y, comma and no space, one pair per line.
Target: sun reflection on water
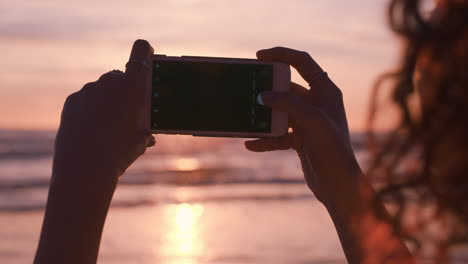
183,239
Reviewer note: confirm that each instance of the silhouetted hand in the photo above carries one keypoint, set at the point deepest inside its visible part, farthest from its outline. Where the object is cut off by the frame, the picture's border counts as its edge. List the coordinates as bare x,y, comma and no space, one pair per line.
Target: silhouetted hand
105,125
318,120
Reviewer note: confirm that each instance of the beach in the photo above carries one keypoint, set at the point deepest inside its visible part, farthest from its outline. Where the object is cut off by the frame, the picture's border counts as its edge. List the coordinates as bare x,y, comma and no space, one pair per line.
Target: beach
179,204
209,232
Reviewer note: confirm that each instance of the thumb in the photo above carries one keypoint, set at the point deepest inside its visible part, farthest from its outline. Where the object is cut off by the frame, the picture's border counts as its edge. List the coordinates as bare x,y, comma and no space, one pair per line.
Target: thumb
284,102
139,62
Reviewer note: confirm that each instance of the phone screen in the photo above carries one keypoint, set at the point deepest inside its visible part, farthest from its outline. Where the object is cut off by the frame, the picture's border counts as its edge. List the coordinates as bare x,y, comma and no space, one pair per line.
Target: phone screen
210,96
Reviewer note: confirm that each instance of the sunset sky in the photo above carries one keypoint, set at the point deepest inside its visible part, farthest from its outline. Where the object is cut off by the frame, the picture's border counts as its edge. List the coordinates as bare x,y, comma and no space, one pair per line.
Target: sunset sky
51,48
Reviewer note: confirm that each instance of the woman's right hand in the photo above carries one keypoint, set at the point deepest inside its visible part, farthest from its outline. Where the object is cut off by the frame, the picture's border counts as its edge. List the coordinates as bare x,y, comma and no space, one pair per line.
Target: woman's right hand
317,117
321,138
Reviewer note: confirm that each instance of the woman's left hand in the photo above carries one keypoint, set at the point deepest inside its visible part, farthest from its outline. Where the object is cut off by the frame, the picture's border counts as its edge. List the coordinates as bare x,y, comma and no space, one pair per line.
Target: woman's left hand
106,123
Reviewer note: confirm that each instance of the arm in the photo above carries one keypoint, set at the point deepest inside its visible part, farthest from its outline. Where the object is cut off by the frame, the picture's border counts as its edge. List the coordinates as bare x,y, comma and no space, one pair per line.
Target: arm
104,128
321,138
365,237
77,206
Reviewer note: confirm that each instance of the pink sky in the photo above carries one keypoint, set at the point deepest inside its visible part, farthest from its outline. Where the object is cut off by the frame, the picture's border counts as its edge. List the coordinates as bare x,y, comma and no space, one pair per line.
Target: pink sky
52,48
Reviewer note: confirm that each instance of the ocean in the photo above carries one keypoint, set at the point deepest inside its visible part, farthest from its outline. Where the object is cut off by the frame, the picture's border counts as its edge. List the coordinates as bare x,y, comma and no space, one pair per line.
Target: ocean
187,200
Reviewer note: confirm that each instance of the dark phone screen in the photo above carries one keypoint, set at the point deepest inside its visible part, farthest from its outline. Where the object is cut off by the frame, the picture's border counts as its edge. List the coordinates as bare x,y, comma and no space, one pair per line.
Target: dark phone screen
210,96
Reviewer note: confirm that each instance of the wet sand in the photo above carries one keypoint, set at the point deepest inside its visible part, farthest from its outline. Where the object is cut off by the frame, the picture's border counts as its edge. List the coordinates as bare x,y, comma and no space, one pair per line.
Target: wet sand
244,231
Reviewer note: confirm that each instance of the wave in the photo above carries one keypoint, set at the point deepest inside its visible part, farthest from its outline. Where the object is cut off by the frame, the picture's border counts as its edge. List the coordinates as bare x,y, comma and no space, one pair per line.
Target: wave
26,144
198,177
23,145
26,207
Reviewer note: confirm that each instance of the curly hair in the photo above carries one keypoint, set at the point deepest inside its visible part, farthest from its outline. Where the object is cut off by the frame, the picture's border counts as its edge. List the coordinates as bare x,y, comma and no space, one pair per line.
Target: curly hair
421,166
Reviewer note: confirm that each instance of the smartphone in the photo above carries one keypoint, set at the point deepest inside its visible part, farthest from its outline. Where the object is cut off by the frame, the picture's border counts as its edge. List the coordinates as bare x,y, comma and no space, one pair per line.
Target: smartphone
217,97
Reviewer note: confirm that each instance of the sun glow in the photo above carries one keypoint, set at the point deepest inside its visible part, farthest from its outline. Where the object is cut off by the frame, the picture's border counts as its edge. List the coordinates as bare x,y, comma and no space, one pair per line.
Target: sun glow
184,233
186,164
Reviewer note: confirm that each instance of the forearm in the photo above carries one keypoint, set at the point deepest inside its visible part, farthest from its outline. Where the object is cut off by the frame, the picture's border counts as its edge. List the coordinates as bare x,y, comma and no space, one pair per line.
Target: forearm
77,206
366,237
99,137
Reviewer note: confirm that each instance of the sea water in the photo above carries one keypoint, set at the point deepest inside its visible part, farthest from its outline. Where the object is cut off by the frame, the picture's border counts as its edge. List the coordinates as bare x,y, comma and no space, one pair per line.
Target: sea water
187,200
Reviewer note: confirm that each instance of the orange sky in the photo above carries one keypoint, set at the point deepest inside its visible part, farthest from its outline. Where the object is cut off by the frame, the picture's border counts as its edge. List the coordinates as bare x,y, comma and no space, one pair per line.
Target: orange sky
52,48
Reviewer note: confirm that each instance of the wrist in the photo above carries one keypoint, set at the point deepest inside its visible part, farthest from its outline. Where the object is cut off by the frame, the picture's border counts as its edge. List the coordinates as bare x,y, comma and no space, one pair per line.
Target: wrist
83,167
342,185
78,201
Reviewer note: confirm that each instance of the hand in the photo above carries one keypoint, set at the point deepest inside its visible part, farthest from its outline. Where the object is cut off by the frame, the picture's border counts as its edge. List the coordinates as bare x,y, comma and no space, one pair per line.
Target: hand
318,120
105,125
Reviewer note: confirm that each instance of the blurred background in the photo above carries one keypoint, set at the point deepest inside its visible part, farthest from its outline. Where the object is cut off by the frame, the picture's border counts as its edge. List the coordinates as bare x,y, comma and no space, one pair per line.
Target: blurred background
188,200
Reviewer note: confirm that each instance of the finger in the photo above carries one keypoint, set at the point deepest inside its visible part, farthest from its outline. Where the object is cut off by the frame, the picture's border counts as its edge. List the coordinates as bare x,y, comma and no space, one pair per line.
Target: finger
150,141
138,74
87,87
114,74
300,60
139,63
285,102
299,90
270,144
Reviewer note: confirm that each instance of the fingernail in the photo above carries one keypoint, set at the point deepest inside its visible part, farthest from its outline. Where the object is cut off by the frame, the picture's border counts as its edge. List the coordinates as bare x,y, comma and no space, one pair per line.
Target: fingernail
265,98
259,99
